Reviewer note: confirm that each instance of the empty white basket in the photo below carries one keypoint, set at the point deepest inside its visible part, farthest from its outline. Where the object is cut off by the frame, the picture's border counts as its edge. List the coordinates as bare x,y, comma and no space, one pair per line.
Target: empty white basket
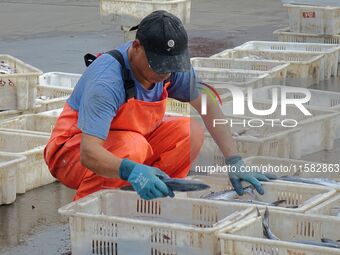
305,196
304,69
59,79
293,167
34,172
277,70
314,19
247,237
320,99
131,12
30,124
317,131
8,184
331,52
119,222
18,90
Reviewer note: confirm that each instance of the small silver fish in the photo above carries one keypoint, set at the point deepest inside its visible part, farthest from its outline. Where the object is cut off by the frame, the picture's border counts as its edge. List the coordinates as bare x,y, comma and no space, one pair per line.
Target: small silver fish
316,243
257,202
225,195
265,224
327,240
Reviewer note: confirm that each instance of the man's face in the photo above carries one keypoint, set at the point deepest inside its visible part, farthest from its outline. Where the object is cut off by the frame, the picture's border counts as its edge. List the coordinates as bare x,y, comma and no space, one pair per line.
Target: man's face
144,68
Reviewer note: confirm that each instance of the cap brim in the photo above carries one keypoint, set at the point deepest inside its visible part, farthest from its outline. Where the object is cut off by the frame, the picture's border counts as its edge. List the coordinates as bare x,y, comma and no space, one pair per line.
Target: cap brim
169,64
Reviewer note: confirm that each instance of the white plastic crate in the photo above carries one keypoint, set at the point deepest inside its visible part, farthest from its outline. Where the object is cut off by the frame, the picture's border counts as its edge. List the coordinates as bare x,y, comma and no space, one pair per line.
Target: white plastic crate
4,115
59,79
8,166
329,208
331,52
285,35
314,19
50,98
18,89
293,167
248,238
119,222
332,3
221,80
263,141
222,75
30,124
304,69
319,128
320,99
305,196
131,12
34,172
277,70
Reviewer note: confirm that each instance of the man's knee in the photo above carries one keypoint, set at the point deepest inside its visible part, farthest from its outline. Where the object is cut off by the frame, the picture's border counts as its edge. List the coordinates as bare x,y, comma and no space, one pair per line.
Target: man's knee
190,128
127,144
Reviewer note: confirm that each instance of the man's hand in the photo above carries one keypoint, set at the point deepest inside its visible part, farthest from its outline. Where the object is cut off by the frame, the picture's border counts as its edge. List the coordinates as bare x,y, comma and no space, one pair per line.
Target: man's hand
237,174
145,180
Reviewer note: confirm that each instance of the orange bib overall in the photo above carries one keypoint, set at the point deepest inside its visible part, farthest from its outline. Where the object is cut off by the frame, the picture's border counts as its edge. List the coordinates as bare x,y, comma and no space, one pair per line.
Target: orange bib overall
139,132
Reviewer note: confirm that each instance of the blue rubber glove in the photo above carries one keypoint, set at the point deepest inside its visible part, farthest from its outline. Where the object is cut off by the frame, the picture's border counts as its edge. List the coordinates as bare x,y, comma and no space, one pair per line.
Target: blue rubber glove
145,180
237,174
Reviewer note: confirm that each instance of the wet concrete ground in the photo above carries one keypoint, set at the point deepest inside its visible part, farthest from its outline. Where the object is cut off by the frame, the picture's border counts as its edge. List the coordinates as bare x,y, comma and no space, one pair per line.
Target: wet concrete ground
54,36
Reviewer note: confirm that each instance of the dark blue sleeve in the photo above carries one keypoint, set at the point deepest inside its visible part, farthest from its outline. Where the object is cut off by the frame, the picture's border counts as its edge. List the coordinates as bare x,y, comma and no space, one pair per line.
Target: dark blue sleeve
183,86
98,107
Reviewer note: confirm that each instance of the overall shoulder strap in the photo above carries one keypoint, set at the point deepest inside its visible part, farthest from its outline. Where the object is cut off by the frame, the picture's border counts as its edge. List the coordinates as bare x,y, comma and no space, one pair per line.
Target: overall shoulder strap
129,84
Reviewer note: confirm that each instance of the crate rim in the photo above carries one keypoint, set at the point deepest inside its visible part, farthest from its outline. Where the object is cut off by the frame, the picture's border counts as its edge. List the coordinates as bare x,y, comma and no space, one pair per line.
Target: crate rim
35,70
67,210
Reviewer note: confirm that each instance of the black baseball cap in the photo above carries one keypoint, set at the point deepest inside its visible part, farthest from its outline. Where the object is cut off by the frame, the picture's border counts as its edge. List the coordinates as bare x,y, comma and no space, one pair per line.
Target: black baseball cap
165,42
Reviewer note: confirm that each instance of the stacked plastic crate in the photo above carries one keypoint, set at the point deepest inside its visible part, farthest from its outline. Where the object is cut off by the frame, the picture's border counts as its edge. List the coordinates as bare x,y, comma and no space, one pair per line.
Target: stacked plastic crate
128,13
23,134
311,21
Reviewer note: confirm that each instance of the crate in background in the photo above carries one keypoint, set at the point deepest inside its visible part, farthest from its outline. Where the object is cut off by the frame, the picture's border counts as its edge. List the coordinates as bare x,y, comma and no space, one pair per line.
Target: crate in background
18,89
314,19
30,124
34,171
51,98
330,52
8,184
277,70
320,99
59,79
131,12
304,69
320,125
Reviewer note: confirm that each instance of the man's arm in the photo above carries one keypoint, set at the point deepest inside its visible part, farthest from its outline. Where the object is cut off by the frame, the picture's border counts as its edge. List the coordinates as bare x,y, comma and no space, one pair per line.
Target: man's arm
220,133
95,157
